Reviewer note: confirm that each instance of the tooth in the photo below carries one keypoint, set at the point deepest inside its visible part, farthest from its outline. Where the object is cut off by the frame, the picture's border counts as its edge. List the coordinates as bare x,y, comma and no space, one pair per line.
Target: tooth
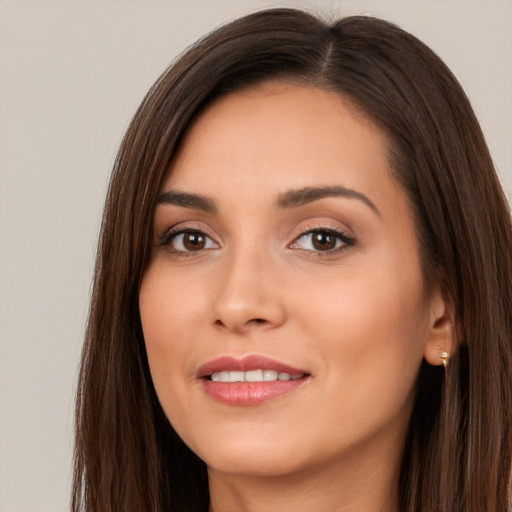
220,377
236,376
254,376
269,375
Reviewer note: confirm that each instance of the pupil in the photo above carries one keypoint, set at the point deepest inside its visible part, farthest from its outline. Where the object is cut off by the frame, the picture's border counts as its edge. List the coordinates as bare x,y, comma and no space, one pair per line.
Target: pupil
323,241
193,241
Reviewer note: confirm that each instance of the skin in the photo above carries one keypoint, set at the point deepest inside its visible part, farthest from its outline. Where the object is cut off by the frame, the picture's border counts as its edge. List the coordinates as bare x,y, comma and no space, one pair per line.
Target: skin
355,317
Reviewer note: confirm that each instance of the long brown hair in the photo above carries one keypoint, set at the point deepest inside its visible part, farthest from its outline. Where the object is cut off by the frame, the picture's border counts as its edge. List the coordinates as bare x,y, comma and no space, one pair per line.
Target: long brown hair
458,453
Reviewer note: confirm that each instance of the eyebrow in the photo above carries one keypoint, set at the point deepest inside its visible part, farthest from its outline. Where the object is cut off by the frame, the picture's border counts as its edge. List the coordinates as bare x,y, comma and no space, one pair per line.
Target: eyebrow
187,200
291,199
302,196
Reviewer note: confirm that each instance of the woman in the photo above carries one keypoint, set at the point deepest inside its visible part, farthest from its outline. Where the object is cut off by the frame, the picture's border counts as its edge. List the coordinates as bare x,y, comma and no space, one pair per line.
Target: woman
303,291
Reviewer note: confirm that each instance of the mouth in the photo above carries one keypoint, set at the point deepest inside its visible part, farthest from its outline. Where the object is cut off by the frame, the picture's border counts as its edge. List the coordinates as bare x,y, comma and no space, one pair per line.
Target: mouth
253,376
250,380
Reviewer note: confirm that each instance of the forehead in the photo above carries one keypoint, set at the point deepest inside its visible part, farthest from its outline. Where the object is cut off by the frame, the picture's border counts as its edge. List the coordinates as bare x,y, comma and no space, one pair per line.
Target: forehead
282,136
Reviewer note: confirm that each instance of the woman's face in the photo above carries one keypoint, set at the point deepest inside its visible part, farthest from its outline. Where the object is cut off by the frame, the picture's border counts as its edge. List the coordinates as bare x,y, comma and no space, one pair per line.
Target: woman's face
284,249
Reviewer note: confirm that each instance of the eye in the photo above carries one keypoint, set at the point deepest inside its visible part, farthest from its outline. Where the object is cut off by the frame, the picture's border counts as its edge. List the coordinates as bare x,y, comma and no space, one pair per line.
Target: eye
322,240
189,240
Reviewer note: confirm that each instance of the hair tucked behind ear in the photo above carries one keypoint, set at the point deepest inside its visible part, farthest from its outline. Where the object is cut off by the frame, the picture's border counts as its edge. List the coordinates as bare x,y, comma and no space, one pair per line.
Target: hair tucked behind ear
458,454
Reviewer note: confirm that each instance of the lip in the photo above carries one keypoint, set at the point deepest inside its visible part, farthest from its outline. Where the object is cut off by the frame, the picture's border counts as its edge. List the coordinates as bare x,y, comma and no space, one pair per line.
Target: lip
249,393
246,364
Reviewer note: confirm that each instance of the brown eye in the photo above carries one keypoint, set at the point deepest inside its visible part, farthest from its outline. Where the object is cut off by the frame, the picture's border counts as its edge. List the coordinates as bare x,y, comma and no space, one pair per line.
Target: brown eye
189,241
323,241
194,241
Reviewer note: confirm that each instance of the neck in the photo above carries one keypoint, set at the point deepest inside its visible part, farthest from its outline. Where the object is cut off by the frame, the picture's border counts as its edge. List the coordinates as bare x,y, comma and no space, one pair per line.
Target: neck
363,483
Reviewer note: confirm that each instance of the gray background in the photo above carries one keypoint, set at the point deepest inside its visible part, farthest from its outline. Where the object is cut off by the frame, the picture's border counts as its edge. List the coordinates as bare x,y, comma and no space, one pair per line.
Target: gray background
71,75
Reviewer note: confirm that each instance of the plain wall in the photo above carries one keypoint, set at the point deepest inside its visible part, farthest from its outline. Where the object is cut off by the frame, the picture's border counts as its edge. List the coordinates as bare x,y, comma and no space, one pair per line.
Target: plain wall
71,75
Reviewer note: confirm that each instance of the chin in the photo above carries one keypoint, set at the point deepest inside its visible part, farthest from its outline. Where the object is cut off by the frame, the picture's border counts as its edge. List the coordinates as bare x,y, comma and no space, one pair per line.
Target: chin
252,465
250,457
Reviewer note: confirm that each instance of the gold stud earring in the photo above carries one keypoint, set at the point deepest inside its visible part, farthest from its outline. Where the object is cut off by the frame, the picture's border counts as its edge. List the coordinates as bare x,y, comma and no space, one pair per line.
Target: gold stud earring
444,356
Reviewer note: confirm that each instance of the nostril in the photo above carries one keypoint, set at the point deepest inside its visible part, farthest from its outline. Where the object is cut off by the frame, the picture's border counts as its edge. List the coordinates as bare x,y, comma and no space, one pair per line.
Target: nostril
248,323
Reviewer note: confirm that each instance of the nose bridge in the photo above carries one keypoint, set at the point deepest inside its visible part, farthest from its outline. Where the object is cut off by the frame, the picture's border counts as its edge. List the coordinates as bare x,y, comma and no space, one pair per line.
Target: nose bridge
246,292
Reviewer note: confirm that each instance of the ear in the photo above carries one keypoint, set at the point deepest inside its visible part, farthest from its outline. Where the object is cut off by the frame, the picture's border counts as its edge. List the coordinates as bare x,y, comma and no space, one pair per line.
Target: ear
440,340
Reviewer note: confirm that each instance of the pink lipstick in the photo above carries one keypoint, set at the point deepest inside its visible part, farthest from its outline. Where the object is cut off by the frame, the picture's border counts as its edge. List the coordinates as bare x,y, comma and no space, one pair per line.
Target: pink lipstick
249,380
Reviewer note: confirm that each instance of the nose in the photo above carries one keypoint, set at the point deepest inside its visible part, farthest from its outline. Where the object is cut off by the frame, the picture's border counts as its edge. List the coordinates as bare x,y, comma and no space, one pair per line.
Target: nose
248,295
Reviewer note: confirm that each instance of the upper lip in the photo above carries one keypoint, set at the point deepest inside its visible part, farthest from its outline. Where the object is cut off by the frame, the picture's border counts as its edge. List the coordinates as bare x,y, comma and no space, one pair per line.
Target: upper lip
245,364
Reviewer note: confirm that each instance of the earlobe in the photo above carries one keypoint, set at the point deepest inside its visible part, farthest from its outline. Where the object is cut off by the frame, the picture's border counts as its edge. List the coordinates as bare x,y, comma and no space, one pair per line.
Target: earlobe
440,341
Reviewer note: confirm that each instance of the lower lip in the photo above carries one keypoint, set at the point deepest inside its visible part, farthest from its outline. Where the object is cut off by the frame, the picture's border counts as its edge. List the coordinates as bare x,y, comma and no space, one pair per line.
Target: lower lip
250,393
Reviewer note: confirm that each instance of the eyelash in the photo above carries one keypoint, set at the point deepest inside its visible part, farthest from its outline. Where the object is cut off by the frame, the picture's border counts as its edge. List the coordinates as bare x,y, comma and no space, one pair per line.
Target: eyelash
170,235
339,234
346,241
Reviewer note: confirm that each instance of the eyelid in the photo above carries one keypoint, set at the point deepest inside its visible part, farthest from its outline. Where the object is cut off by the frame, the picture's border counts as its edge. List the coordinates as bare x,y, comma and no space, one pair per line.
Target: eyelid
183,227
340,233
347,241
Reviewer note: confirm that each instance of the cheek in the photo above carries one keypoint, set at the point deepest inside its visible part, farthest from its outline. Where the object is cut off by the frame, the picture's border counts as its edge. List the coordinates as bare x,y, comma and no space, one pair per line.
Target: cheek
375,304
169,305
169,318
371,333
